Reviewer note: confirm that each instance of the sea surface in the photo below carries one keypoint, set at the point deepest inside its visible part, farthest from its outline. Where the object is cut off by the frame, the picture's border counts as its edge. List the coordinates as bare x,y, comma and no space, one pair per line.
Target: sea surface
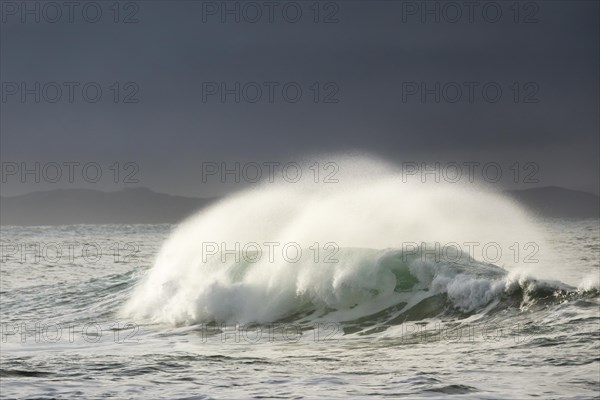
81,319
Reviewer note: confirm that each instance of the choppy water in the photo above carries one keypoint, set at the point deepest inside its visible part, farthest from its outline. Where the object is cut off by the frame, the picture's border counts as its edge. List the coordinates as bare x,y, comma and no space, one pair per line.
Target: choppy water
479,333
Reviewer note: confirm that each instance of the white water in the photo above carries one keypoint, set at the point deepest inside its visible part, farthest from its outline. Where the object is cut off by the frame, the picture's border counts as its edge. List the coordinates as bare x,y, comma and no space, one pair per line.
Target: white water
370,208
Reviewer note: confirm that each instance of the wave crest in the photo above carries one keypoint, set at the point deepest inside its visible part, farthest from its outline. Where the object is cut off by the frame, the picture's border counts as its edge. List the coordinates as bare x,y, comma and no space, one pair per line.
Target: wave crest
368,216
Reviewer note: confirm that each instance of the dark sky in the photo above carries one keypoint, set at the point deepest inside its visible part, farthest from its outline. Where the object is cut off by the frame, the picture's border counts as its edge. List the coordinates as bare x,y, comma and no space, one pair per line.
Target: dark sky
369,60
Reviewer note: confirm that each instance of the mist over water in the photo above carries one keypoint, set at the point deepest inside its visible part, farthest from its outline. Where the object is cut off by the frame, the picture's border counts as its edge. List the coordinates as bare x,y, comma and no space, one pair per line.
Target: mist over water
346,249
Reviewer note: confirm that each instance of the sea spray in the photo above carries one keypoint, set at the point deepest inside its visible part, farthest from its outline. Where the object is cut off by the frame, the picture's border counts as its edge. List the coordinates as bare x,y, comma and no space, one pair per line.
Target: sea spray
367,215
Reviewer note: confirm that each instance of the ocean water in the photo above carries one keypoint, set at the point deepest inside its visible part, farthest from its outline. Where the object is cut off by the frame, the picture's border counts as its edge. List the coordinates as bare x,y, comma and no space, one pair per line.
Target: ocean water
164,311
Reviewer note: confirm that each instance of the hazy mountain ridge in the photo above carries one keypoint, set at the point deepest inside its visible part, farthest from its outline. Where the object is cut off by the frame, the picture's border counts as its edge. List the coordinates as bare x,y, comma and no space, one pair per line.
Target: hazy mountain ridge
142,205
88,206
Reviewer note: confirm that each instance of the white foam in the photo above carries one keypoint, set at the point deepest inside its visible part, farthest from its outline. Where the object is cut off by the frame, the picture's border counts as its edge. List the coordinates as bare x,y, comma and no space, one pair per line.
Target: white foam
373,210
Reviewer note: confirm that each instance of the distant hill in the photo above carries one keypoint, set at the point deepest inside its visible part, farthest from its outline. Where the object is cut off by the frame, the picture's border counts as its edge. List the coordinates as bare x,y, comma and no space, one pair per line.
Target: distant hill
143,206
557,202
86,206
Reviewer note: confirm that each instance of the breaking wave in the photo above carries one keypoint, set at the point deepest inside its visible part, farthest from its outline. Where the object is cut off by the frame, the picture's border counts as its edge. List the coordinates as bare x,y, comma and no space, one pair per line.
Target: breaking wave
360,249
